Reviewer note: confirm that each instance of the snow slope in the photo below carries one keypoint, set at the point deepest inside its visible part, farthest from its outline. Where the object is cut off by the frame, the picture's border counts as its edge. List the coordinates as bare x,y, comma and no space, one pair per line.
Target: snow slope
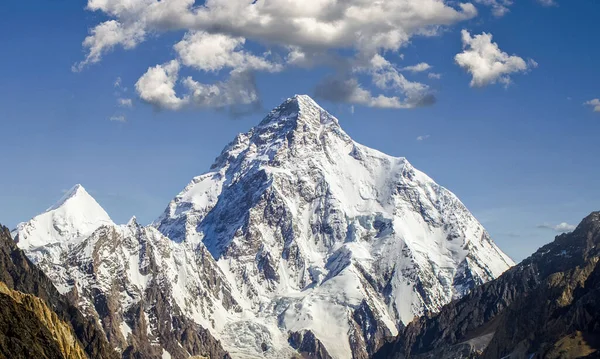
75,216
296,228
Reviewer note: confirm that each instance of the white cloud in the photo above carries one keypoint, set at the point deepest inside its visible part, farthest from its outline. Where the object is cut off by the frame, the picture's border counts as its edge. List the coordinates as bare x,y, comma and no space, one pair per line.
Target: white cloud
548,2
157,86
499,7
385,77
312,23
434,76
561,227
105,36
487,64
350,91
213,52
118,118
423,138
423,66
283,33
117,83
238,89
595,104
125,102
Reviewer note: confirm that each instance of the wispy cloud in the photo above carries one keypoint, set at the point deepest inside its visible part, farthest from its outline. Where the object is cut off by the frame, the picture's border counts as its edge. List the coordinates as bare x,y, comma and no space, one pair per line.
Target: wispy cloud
423,66
434,76
118,118
561,227
423,137
499,7
595,104
548,2
125,102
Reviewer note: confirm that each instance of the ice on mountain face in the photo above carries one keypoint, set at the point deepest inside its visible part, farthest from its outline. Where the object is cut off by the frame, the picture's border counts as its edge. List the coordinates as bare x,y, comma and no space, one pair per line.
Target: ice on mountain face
296,212
75,216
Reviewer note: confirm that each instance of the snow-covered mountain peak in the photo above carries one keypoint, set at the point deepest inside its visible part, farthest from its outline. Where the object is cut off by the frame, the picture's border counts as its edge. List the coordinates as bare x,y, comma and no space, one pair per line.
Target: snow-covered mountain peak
76,194
133,222
74,216
299,114
323,230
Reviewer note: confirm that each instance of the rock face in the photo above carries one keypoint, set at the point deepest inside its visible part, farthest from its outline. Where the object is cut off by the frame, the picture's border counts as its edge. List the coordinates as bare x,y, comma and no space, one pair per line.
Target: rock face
546,307
35,320
308,345
296,232
32,330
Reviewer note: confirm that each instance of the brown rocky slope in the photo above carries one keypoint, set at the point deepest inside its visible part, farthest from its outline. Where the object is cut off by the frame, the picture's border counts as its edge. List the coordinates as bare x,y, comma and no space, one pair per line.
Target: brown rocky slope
35,320
546,307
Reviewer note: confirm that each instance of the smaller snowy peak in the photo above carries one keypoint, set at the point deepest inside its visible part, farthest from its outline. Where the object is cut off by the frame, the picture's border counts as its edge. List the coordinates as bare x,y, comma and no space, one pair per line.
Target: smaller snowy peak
75,192
75,215
133,222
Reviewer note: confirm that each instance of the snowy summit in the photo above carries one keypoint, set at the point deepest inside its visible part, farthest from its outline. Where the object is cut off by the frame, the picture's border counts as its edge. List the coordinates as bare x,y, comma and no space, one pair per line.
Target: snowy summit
75,215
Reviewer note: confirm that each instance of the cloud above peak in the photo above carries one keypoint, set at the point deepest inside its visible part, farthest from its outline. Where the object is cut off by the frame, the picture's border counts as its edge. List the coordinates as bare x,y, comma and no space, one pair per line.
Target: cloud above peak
157,87
486,63
213,52
243,37
385,24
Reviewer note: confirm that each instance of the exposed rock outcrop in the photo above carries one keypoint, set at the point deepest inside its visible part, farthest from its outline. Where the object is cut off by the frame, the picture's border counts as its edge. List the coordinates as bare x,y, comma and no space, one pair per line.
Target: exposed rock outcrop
36,320
308,345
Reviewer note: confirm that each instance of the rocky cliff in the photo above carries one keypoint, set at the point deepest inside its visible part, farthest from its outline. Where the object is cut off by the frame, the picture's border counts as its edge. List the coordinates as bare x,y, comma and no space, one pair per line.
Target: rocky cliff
36,320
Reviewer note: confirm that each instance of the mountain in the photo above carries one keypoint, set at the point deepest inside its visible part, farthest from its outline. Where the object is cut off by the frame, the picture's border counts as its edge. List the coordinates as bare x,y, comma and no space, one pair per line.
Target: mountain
297,241
546,307
75,216
35,320
127,278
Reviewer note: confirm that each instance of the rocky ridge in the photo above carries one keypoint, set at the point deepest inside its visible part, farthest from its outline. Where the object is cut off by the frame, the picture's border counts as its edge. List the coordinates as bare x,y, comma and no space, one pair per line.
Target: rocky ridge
545,307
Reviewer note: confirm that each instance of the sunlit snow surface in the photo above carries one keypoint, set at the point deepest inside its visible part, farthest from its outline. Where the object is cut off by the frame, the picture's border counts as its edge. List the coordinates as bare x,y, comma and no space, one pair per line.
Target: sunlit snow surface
300,223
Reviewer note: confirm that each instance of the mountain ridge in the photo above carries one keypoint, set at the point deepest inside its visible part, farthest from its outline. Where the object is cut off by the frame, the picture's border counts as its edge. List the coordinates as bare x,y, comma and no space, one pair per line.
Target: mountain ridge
34,312
542,308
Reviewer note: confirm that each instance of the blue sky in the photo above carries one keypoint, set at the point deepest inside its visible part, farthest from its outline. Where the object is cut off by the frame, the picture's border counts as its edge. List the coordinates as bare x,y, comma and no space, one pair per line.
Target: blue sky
519,156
